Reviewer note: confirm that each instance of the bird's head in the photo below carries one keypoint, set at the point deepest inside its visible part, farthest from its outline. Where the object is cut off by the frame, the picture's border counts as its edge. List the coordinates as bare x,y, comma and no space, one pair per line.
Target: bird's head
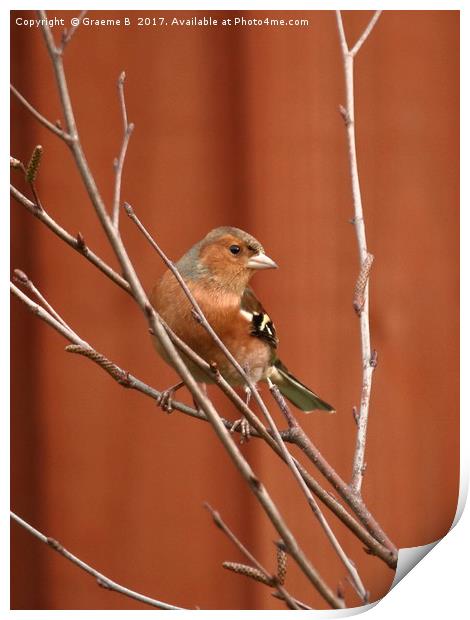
227,257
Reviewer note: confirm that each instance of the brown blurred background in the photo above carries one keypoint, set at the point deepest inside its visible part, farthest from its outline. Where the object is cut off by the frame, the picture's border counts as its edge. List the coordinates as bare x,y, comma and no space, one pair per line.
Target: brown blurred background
236,126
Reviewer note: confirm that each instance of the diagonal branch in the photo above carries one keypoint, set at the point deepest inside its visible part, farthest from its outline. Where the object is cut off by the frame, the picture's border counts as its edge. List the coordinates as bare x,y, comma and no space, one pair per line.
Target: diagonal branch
101,579
20,277
77,243
367,367
39,117
270,578
119,163
352,570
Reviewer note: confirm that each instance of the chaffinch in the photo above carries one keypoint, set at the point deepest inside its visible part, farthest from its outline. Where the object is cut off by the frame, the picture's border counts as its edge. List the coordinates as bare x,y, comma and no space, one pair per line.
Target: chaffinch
217,270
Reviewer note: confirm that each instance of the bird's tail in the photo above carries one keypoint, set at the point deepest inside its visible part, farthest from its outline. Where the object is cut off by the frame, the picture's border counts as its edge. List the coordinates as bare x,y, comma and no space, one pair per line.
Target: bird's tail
295,391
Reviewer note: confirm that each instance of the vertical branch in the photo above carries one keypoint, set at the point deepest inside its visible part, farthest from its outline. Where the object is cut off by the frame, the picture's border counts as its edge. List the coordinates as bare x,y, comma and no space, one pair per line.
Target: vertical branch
359,226
119,163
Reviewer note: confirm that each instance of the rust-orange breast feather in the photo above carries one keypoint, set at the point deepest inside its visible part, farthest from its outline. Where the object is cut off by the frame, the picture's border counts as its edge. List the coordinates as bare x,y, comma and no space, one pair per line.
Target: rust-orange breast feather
223,312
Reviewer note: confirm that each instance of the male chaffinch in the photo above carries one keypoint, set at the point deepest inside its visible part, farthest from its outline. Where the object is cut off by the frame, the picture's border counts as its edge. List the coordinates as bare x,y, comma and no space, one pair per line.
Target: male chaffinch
217,270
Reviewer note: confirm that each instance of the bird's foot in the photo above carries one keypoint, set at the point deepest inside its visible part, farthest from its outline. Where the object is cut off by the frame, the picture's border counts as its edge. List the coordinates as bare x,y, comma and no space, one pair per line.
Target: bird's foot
244,427
166,397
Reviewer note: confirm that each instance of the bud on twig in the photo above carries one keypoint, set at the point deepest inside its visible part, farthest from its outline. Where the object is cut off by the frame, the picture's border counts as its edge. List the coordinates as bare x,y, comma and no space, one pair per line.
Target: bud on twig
281,563
345,114
32,169
20,276
360,288
15,163
355,414
195,314
374,359
128,209
81,245
340,590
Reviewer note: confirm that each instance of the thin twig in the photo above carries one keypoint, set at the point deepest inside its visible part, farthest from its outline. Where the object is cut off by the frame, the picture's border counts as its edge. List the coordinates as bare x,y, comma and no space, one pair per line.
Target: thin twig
77,243
299,604
271,579
101,579
367,369
46,316
359,43
119,164
68,34
301,439
39,117
20,277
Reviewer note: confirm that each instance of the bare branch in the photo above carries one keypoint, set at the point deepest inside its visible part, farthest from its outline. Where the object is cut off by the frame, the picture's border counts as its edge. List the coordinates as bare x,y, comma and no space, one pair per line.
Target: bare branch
342,34
367,369
46,316
38,116
119,164
101,579
23,279
301,439
355,578
360,42
269,578
77,243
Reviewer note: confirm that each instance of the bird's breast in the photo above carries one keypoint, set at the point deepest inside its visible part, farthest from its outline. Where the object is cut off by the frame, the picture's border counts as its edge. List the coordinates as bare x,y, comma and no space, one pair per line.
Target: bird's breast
230,323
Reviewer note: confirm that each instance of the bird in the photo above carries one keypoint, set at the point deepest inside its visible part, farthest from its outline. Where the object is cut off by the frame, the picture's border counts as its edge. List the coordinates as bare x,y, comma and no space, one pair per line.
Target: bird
217,270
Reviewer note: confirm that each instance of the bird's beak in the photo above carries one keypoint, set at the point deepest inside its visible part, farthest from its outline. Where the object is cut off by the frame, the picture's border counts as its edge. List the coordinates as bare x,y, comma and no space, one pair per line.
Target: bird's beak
261,261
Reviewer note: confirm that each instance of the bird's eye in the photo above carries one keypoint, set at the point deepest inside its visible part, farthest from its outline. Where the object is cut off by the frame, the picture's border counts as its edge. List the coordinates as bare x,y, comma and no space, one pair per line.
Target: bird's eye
235,249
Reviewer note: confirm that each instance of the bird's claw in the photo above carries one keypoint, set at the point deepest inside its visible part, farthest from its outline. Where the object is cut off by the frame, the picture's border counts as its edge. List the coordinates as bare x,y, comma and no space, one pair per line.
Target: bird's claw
165,400
166,397
244,427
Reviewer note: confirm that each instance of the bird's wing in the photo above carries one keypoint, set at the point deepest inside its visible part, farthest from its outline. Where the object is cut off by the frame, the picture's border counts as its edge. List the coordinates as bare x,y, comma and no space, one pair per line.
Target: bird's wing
261,325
